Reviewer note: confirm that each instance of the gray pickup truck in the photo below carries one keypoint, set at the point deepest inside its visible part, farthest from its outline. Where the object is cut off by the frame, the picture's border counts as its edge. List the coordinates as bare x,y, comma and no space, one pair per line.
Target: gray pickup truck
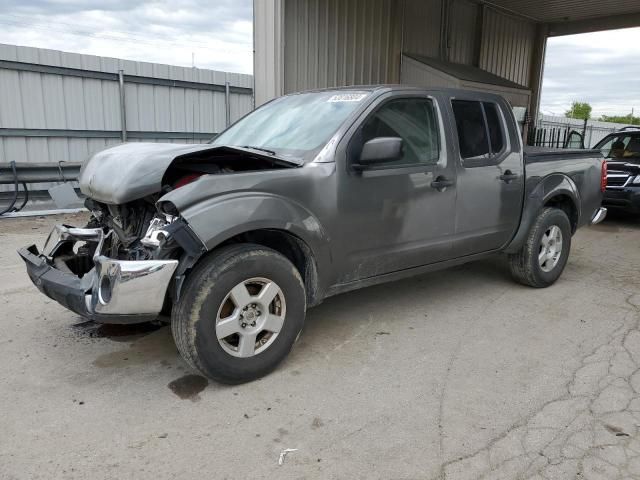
311,195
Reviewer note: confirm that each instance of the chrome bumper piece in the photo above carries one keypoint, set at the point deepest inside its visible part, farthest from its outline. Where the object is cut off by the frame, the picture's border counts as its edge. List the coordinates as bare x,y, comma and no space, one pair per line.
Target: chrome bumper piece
111,289
62,234
127,287
599,216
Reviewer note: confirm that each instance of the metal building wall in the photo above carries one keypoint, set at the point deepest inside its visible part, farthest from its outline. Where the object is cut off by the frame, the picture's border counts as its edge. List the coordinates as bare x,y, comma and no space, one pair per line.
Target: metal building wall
66,115
506,41
507,46
421,27
462,31
324,43
341,42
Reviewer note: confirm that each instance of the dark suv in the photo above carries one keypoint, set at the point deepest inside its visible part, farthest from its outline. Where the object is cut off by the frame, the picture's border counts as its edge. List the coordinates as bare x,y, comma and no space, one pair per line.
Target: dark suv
622,151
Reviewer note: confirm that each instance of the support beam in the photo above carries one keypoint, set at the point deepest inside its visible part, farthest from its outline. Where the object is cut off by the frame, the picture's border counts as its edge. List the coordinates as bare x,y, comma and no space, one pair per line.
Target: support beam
227,105
66,133
76,72
123,106
612,22
445,10
537,71
268,50
478,35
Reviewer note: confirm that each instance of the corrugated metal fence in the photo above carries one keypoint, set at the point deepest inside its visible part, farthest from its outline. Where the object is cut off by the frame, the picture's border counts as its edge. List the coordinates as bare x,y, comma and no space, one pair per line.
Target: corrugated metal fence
57,106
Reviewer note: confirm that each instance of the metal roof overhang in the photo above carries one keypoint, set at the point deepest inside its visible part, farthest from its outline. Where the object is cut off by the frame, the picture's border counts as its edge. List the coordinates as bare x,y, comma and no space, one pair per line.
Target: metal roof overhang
567,17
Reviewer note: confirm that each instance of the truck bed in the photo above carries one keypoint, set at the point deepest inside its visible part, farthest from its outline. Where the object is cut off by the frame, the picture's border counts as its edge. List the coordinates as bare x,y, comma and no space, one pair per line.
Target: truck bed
544,154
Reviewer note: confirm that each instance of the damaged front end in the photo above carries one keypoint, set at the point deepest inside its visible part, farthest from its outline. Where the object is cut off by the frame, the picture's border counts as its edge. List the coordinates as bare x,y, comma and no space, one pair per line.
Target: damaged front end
106,276
128,263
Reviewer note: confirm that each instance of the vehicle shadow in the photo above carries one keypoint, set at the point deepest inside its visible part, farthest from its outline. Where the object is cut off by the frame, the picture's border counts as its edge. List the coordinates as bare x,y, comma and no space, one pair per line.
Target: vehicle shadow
150,345
400,302
619,219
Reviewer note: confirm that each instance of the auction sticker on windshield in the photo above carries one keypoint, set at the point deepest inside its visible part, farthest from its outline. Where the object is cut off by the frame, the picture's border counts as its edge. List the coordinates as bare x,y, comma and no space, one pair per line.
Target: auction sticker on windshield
347,97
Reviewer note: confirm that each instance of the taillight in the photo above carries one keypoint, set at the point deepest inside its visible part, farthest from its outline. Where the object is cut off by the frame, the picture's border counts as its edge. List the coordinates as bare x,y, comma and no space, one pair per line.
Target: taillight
187,179
603,176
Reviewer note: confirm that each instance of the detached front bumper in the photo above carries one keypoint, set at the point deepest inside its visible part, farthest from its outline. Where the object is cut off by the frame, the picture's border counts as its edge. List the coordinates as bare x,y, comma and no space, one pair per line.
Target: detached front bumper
113,291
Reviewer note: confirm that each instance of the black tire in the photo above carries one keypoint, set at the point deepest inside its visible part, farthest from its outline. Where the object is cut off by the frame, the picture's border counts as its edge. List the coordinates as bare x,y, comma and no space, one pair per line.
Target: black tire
524,265
194,316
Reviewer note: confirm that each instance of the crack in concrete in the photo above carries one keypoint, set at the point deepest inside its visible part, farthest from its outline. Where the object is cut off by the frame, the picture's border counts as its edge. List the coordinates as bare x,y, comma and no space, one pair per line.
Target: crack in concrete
452,360
587,433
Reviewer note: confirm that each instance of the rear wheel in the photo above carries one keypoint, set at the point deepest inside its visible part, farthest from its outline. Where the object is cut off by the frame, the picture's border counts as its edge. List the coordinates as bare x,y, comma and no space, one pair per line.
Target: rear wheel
241,310
545,252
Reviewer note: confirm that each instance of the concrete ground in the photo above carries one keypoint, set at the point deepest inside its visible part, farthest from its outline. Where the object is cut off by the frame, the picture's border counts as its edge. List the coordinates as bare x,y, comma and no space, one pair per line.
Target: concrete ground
460,374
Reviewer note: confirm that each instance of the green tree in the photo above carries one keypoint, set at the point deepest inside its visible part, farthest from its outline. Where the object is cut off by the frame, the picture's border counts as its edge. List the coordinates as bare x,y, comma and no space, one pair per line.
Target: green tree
581,110
628,119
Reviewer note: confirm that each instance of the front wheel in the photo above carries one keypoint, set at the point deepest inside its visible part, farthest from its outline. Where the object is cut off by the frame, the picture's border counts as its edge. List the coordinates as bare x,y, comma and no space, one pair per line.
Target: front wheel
545,252
241,310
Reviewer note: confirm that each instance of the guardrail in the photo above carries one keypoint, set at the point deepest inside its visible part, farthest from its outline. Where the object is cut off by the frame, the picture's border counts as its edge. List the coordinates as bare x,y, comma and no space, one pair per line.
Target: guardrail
21,174
39,172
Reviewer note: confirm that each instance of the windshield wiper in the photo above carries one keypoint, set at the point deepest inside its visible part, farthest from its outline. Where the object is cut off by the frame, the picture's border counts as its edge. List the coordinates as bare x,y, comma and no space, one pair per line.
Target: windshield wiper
270,152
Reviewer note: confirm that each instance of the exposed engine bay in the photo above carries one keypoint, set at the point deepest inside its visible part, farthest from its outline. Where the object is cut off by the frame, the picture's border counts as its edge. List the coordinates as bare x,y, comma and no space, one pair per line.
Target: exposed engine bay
217,162
136,231
127,264
136,228
132,232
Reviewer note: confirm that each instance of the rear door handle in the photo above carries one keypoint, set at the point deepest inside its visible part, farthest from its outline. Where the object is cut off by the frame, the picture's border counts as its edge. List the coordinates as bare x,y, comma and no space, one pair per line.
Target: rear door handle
440,183
508,176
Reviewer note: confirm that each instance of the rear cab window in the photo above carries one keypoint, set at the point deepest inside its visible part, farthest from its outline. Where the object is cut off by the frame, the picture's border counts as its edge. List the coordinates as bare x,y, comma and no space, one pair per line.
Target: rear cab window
496,138
480,130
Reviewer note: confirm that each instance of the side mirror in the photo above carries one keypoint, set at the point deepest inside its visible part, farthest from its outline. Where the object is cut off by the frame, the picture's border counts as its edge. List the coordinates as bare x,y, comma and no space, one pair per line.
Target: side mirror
381,149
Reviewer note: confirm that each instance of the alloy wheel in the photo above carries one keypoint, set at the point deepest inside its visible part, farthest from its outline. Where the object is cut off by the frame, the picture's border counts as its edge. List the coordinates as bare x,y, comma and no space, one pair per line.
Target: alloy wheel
250,317
550,248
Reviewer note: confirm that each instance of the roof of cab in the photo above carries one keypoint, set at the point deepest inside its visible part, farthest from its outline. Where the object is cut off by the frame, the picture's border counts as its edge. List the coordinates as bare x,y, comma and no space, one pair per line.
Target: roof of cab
383,88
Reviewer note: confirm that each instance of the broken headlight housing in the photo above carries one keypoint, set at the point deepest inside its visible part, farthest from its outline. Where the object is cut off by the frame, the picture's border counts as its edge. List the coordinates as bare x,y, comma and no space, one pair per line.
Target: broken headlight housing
156,233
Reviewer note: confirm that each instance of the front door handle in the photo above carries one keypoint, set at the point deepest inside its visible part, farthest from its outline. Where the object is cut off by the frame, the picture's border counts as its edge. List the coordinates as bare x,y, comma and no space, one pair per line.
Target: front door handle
441,182
508,176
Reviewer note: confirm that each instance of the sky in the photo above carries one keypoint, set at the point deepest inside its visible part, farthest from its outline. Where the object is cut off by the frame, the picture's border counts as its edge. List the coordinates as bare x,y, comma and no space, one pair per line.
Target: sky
601,68
208,34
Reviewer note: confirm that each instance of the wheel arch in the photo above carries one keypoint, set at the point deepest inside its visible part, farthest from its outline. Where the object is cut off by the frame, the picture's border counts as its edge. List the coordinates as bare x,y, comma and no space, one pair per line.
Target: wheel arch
556,190
295,249
270,220
567,204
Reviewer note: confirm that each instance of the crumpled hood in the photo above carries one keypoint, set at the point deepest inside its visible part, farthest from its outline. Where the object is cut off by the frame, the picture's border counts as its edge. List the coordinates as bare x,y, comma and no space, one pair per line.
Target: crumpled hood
135,170
129,171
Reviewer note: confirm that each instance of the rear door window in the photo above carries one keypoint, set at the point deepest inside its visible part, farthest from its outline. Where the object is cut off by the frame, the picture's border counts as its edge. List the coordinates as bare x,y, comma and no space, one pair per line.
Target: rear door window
472,133
479,126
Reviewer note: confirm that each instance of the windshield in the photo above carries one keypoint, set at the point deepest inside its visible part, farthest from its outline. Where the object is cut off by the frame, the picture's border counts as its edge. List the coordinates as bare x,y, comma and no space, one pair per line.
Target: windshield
622,147
294,126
